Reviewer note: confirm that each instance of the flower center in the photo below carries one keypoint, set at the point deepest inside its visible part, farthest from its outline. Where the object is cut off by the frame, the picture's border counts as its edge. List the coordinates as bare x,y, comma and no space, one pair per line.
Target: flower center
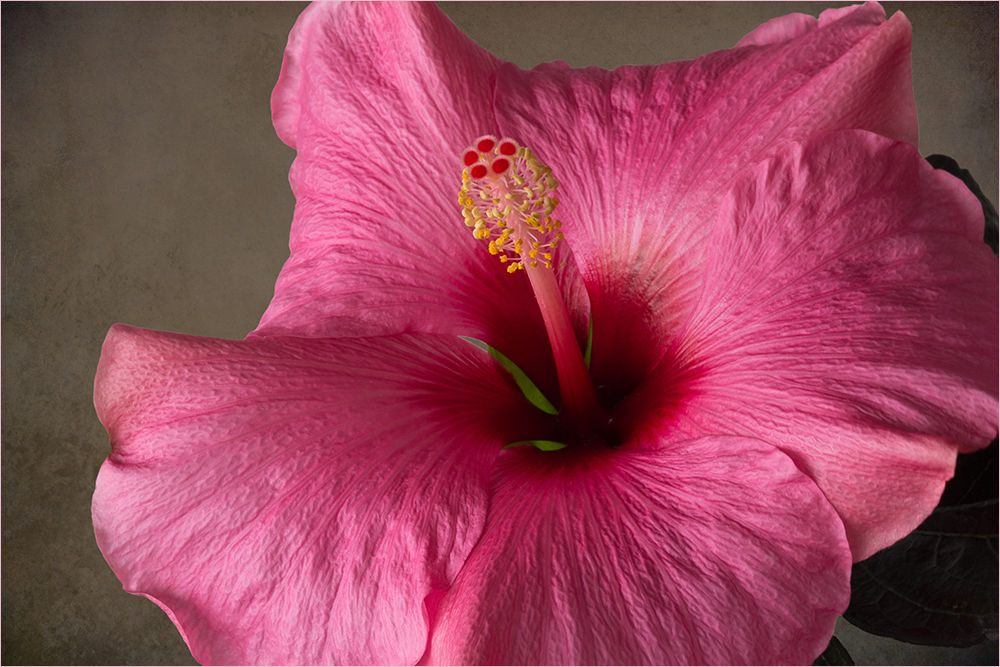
508,198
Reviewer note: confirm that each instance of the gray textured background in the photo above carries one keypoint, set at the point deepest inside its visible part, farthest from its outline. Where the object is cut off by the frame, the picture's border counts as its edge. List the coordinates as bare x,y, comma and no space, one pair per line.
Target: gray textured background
143,183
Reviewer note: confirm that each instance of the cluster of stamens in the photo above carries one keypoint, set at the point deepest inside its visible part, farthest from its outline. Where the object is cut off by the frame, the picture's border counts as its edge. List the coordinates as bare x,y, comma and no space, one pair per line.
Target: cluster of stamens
507,197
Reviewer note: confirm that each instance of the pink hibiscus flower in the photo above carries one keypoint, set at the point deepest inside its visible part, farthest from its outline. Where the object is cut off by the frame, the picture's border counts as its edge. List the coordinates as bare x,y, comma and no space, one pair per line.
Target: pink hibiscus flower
794,322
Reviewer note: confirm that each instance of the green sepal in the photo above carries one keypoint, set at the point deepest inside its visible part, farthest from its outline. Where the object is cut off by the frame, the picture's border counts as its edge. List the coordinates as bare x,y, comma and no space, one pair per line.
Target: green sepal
544,445
527,387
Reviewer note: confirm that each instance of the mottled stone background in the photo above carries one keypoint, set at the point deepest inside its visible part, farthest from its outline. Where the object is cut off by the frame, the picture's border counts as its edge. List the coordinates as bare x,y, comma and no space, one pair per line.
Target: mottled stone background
143,183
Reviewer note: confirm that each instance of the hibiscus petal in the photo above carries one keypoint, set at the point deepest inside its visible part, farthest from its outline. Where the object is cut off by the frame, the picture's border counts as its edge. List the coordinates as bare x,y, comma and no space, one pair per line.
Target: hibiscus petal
380,100
849,316
788,27
294,501
644,155
711,551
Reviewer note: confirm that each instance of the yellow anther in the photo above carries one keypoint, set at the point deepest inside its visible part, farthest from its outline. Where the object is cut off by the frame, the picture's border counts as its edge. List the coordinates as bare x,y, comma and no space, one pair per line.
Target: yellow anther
517,203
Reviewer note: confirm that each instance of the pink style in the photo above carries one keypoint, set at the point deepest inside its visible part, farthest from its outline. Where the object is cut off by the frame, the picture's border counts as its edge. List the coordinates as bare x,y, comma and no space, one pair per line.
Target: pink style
794,326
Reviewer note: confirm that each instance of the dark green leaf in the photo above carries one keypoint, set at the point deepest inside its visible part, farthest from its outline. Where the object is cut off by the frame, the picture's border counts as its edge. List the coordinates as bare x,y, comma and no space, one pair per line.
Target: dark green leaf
938,585
835,654
949,165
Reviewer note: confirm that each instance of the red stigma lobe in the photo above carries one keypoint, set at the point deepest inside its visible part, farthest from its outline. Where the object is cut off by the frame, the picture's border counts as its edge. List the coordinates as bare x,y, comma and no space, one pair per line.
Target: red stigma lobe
485,144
